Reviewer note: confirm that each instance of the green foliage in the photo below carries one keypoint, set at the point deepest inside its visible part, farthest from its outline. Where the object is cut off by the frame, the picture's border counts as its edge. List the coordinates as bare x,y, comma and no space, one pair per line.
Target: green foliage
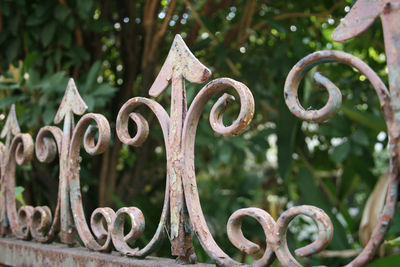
388,261
278,162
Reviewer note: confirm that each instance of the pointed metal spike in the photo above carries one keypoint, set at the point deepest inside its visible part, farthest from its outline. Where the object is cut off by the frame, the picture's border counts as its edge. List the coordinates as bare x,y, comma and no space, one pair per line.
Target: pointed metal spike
11,125
361,16
182,61
71,102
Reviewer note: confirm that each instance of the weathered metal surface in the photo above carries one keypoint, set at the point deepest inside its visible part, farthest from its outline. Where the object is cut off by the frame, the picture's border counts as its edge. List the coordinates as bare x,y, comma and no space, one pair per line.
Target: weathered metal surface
360,17
179,136
19,151
181,213
179,65
126,113
71,104
10,129
23,253
275,233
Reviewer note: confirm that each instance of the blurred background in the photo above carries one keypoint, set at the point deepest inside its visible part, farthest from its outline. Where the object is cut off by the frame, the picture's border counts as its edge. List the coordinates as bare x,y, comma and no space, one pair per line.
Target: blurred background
114,51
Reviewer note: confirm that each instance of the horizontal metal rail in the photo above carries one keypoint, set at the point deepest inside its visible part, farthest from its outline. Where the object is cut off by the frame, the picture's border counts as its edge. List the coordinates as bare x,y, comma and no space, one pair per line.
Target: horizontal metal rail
14,252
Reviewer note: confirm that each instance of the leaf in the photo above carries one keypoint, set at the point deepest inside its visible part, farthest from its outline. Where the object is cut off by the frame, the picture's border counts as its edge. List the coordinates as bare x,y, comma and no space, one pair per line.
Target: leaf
60,13
13,25
395,228
340,152
286,131
373,208
18,190
34,78
360,137
33,20
78,54
3,36
48,33
55,82
84,8
12,49
41,10
92,76
7,101
29,60
104,89
90,101
65,39
365,118
311,195
48,115
209,25
350,180
57,56
225,154
392,260
393,242
9,86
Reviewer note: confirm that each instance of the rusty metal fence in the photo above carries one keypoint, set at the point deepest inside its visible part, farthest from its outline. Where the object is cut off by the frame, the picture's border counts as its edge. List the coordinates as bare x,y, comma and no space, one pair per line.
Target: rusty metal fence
105,238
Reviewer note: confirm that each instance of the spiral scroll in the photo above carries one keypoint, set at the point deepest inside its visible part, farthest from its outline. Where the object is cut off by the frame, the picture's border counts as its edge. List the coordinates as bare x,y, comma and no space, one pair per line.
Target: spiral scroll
113,233
43,226
127,112
83,131
189,132
291,86
298,71
21,152
275,233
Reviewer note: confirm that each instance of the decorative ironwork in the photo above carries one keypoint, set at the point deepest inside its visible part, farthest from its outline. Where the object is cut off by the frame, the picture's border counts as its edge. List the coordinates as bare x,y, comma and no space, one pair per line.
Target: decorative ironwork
182,204
182,213
360,17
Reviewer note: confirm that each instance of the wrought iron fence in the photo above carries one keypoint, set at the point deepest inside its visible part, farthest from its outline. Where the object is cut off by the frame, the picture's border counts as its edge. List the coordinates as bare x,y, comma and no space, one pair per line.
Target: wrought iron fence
182,212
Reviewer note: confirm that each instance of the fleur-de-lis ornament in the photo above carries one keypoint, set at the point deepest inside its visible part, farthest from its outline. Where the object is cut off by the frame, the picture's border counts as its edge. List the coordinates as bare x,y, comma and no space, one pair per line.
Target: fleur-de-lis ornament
10,129
17,150
46,149
71,104
38,222
360,17
179,65
69,214
181,204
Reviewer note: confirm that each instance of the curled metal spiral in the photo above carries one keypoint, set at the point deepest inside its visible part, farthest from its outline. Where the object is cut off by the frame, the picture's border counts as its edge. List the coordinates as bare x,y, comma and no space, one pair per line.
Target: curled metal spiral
112,231
83,131
275,233
126,113
43,227
298,71
189,132
21,152
235,234
120,240
137,219
332,106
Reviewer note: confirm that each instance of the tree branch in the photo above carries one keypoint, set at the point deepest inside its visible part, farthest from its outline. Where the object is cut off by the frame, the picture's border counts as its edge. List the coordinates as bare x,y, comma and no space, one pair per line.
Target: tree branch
305,15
